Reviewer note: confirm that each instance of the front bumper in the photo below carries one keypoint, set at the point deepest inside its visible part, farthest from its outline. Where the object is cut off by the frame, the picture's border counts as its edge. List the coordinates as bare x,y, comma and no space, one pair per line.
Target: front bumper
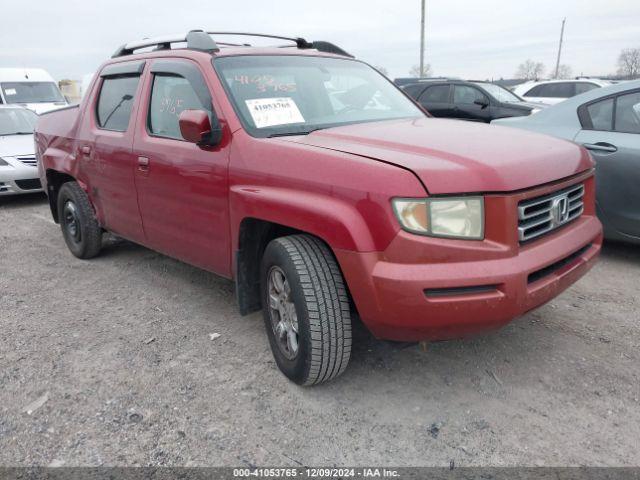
17,178
423,288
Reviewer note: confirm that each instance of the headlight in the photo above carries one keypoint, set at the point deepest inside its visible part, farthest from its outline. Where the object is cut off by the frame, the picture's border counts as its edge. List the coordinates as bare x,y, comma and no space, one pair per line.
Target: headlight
448,217
3,163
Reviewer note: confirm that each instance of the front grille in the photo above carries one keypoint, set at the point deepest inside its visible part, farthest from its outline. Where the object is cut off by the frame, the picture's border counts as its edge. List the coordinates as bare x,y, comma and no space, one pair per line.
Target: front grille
30,184
541,215
3,187
28,160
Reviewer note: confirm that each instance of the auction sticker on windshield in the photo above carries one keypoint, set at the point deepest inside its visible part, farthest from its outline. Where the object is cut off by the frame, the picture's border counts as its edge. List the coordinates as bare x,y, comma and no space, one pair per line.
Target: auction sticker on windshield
270,112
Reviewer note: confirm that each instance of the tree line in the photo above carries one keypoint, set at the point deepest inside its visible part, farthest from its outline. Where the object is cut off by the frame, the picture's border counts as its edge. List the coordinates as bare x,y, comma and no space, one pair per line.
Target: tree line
628,67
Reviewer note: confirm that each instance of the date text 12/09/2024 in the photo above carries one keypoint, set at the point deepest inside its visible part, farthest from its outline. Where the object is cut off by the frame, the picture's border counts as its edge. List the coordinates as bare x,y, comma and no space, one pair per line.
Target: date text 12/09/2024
372,472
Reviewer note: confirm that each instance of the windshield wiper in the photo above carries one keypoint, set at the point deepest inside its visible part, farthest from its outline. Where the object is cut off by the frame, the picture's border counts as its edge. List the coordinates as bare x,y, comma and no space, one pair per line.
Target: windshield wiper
290,134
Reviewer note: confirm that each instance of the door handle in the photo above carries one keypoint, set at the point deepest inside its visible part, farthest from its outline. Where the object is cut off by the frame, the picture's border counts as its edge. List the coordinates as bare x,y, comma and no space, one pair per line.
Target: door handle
86,150
601,147
143,164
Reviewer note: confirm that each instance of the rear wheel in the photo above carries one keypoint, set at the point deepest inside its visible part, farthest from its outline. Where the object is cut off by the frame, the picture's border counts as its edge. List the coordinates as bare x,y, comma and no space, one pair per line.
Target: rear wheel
306,309
80,229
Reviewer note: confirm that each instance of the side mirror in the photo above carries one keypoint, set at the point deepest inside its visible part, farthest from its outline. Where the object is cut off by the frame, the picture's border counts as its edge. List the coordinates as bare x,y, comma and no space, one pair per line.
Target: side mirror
482,102
195,127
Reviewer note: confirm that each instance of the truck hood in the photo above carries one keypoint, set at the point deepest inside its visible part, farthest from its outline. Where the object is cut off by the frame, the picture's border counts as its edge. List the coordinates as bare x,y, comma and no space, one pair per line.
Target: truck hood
13,145
452,156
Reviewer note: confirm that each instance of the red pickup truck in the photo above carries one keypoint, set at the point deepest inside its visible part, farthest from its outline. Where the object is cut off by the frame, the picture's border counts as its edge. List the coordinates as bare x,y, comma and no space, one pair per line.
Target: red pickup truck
322,190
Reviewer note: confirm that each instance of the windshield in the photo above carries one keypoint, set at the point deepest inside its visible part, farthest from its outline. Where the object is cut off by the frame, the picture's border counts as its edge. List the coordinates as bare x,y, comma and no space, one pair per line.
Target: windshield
31,92
288,95
500,93
17,121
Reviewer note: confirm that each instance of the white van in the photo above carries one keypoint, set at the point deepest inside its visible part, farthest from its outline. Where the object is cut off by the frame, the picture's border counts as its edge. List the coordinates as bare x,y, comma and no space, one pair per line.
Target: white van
33,88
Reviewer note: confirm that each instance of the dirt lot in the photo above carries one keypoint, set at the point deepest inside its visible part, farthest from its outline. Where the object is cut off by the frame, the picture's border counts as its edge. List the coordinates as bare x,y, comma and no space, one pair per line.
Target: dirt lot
110,362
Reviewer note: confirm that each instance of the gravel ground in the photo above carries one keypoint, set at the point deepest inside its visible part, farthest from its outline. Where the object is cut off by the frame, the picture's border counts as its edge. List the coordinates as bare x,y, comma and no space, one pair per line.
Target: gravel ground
111,362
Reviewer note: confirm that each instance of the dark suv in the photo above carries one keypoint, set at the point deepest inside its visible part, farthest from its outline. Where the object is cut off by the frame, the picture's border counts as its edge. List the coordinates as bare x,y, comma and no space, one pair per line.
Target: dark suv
469,100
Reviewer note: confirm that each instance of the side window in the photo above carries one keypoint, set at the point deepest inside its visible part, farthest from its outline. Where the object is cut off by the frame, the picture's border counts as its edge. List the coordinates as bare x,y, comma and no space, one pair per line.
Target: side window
534,92
552,90
628,113
170,95
463,94
601,115
115,102
436,94
559,90
583,87
414,90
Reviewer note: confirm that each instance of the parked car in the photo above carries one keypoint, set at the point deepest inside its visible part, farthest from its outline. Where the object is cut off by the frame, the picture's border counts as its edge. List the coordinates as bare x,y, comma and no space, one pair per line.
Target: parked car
606,121
235,159
33,88
402,81
18,172
474,101
551,92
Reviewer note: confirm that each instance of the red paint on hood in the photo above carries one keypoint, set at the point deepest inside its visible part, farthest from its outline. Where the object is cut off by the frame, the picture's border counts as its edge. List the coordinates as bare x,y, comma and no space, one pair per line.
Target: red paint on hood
459,157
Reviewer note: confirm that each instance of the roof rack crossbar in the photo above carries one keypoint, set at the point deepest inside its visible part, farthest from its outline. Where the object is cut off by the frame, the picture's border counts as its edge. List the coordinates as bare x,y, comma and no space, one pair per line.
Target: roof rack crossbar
195,40
203,41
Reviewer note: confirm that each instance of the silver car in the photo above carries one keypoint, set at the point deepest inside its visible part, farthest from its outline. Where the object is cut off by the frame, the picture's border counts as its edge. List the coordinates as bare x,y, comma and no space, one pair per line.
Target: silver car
606,121
18,167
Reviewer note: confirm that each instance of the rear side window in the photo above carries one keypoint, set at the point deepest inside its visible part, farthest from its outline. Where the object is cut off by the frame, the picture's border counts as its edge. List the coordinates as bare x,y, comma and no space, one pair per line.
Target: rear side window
436,94
583,87
601,114
170,96
628,113
414,90
619,114
116,101
534,92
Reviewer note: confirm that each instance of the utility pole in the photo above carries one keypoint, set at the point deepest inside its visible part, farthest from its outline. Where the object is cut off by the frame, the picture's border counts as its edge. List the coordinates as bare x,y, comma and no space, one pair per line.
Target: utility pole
560,47
422,40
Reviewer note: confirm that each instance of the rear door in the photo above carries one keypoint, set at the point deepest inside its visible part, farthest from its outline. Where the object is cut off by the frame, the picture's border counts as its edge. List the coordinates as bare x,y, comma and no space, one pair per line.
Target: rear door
611,132
437,100
104,148
465,106
182,187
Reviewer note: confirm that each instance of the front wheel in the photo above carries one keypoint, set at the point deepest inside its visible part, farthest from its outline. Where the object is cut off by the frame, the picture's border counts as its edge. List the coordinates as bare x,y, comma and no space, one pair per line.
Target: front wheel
80,229
306,309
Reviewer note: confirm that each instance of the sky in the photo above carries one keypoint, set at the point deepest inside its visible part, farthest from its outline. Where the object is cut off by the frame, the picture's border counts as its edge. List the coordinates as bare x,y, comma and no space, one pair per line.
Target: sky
483,39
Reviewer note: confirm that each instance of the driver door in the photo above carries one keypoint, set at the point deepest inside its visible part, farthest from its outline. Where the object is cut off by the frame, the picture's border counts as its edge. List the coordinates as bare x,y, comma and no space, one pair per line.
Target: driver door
182,187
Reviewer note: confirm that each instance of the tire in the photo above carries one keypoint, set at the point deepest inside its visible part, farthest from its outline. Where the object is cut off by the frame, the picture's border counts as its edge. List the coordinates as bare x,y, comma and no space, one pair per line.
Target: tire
318,303
80,229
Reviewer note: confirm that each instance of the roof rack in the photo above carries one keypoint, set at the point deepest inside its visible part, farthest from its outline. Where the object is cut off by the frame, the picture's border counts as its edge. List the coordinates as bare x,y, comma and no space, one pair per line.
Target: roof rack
203,41
195,39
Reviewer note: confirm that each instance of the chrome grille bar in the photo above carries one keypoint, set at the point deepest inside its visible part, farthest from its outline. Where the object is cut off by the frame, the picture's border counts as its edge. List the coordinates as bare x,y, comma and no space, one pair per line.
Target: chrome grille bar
28,160
542,215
